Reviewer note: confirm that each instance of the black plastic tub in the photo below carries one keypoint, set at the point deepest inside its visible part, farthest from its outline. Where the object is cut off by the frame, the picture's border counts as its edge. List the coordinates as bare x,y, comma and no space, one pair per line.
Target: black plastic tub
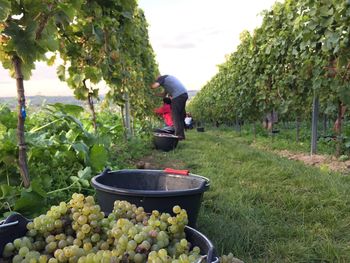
151,189
15,226
167,129
164,141
200,129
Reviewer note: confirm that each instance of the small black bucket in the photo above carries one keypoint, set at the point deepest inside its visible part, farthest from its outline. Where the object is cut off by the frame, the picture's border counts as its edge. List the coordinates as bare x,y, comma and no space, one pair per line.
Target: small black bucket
166,129
165,142
200,129
151,189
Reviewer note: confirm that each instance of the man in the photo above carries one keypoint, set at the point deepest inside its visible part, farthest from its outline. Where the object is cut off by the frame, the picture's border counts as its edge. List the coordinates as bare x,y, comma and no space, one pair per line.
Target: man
179,96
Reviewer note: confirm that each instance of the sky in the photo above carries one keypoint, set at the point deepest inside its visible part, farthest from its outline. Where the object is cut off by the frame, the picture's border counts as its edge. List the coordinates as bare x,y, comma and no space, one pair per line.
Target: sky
189,37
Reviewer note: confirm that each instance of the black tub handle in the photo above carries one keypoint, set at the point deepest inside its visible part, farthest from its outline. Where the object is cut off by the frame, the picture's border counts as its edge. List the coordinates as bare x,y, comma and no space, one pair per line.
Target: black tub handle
205,183
3,224
105,171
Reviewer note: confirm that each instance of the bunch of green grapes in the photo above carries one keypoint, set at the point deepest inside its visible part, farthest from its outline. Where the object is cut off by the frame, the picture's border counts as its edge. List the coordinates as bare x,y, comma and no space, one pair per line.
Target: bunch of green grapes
78,231
86,222
123,209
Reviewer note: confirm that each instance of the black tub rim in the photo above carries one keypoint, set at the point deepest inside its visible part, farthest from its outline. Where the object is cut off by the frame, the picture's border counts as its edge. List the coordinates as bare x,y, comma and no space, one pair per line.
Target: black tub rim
165,135
211,254
150,193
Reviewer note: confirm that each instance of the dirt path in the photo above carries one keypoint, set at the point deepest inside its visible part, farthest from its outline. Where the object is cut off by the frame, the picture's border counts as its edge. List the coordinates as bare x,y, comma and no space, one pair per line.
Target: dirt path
159,162
322,161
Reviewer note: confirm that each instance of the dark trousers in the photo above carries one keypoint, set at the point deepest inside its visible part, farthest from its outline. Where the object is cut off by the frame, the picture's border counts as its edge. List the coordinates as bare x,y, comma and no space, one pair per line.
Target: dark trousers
178,110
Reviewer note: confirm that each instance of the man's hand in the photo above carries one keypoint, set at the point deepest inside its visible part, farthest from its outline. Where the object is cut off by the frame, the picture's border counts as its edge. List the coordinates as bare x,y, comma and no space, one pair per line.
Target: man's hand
162,94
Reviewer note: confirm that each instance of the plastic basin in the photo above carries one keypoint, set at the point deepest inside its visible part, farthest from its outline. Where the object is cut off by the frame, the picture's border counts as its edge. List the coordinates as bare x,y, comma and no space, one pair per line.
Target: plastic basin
167,129
200,129
15,226
164,141
151,189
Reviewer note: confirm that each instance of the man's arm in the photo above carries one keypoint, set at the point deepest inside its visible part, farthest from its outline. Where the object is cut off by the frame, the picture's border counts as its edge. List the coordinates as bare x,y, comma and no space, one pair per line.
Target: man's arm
155,85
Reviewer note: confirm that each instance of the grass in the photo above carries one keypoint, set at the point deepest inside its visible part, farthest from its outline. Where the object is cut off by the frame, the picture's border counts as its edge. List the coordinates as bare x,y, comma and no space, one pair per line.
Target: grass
264,208
286,139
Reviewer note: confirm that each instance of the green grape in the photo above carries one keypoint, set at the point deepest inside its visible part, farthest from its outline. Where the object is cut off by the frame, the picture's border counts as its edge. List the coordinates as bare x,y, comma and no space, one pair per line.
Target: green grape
9,247
80,235
70,240
132,244
104,246
17,259
50,238
62,243
176,209
17,243
23,251
75,216
77,242
95,237
32,232
50,247
184,243
82,219
138,238
43,259
58,223
85,228
82,259
60,237
138,258
52,260
87,246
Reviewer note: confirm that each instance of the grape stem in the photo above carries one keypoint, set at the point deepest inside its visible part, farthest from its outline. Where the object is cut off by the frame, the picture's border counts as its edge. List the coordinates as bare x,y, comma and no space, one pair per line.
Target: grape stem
62,189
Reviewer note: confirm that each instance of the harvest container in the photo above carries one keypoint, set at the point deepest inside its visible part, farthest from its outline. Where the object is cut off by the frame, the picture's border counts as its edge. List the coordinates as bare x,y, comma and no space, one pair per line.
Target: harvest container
164,141
200,129
15,226
151,189
166,129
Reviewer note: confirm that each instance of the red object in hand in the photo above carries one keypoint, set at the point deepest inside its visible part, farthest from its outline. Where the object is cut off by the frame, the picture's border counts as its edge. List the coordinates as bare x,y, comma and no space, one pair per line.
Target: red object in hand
173,171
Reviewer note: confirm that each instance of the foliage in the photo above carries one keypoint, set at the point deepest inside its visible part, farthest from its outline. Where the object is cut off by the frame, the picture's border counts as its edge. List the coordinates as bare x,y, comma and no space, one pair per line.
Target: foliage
63,155
302,48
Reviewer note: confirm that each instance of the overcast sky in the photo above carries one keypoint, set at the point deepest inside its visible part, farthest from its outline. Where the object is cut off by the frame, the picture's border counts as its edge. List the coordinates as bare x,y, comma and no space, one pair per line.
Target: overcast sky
190,38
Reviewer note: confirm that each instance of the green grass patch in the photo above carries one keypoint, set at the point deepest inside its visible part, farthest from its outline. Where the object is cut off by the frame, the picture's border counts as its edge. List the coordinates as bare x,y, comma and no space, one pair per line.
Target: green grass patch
265,208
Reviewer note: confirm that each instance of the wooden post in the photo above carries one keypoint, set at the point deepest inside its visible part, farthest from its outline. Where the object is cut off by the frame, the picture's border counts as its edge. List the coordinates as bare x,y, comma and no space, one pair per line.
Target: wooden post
127,116
92,108
315,106
22,152
338,127
254,130
297,124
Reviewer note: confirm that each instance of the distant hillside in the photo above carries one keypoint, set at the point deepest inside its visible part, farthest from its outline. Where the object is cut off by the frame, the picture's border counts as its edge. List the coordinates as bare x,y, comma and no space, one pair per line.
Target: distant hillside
192,93
37,101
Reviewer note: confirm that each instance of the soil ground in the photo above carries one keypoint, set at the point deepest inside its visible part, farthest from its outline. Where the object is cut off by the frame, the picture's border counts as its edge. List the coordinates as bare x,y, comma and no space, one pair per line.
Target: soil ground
322,161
